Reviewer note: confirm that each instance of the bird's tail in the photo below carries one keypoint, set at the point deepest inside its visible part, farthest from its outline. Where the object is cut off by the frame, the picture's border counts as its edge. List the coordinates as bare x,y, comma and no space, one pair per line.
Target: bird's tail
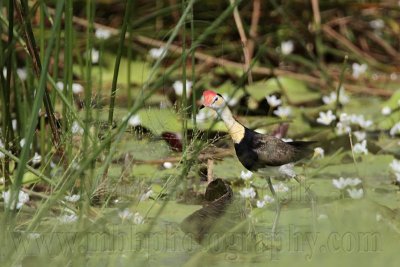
303,148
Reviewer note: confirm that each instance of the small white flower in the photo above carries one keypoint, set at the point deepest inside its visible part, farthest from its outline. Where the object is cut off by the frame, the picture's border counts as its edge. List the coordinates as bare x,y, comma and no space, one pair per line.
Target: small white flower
342,128
359,69
230,100
319,152
72,198
134,120
146,195
360,135
361,148
377,24
68,218
2,146
283,112
344,182
102,34
248,192
77,88
287,47
344,118
178,88
386,111
365,123
76,128
343,97
36,158
268,199
126,214
21,200
168,165
287,170
378,217
22,142
331,98
60,85
340,183
395,129
5,72
260,203
273,101
287,140
138,219
157,52
22,73
395,165
280,188
355,193
353,182
326,118
95,56
33,236
246,175
14,124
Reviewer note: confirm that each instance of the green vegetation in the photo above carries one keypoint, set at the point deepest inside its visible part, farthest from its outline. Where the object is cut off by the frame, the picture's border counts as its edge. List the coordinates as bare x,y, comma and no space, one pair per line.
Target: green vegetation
104,153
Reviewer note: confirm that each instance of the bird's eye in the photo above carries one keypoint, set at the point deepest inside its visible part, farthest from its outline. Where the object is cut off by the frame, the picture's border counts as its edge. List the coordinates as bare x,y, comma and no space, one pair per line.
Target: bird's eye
215,99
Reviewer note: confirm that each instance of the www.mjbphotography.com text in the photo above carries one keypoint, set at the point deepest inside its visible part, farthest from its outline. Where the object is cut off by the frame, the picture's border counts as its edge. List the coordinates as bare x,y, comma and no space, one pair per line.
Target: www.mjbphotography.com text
133,239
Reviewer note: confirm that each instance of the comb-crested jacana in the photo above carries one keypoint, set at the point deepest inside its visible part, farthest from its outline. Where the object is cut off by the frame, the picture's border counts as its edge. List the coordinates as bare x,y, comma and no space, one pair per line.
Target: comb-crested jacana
260,152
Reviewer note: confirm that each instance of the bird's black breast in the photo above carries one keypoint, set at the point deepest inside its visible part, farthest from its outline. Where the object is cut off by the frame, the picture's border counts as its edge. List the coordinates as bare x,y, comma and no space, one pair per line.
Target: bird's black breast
246,155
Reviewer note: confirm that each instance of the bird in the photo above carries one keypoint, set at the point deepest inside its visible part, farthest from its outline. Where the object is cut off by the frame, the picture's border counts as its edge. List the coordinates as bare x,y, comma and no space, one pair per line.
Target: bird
263,153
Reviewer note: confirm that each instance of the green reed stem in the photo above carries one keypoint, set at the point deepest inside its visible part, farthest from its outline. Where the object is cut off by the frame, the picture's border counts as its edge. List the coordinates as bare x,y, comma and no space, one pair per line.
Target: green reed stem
42,34
193,51
129,55
29,132
101,60
68,65
341,78
88,87
7,120
128,9
184,96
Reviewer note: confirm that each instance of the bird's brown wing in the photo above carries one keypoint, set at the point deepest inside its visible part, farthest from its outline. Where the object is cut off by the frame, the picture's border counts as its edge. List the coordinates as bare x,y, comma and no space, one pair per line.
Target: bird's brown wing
272,151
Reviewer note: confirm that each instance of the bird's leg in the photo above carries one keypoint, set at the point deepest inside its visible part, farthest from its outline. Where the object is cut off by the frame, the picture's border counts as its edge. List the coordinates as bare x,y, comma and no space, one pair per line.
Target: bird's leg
278,208
311,196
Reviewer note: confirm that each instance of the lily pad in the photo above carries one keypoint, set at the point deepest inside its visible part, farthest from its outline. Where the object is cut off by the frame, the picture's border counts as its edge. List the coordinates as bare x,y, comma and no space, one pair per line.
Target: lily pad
160,120
296,91
140,70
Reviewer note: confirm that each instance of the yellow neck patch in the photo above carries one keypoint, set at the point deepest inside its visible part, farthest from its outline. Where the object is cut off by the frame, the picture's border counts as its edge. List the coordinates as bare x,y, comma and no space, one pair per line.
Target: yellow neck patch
236,131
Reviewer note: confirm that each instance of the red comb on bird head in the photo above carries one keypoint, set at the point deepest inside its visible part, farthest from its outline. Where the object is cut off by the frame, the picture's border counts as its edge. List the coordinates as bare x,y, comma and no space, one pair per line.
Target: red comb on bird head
208,97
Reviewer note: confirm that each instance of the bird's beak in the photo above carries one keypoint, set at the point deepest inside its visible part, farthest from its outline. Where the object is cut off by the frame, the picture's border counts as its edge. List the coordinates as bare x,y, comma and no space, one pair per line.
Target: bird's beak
201,107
